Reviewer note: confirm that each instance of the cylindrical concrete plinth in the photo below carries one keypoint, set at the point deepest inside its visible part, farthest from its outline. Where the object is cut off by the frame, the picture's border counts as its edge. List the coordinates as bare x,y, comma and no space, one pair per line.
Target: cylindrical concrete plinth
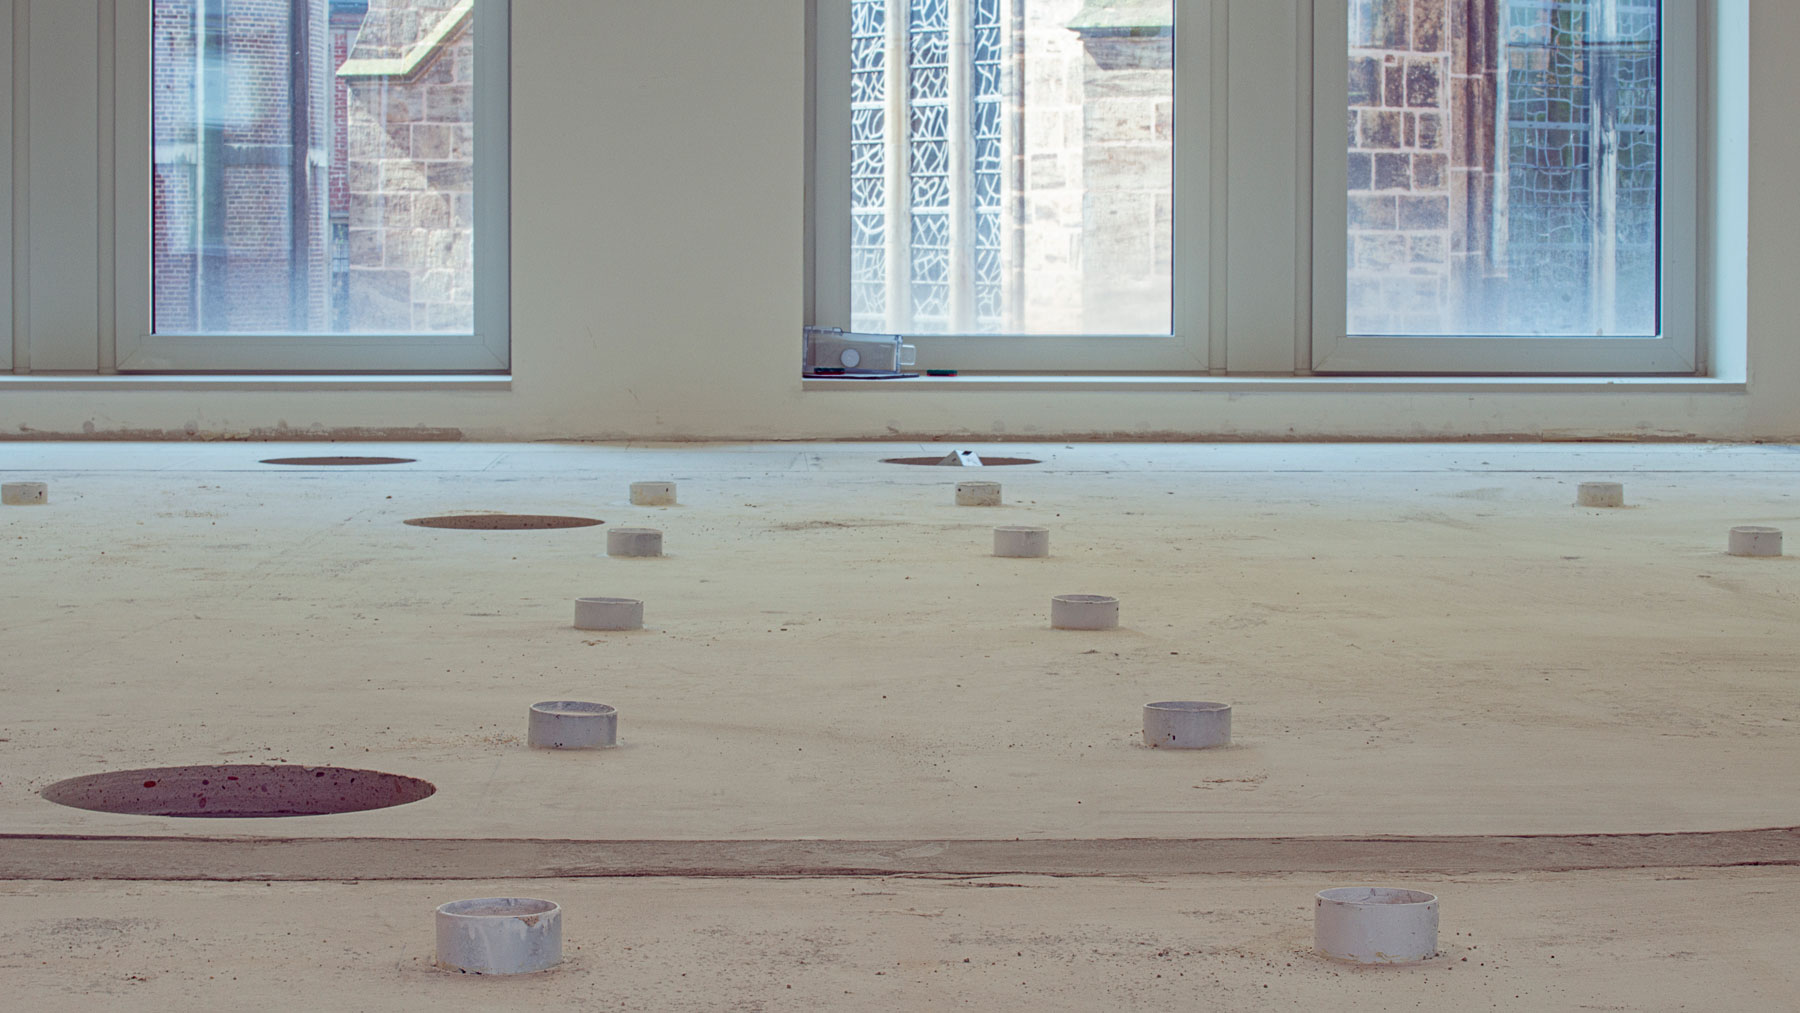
572,724
1180,724
609,614
634,542
980,494
1751,540
499,935
1600,494
24,494
653,494
1375,925
1084,612
1022,543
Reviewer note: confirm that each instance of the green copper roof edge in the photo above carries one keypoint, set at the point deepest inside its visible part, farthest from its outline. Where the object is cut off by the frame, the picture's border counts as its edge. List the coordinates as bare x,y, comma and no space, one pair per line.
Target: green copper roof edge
419,56
1112,16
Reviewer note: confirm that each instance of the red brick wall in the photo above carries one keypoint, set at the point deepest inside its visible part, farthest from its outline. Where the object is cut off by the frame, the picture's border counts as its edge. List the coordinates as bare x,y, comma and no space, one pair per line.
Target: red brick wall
248,283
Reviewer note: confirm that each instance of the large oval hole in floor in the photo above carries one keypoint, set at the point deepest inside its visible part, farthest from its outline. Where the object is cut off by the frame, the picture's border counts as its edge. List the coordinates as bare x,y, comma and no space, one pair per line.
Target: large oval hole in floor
337,462
943,461
238,791
503,522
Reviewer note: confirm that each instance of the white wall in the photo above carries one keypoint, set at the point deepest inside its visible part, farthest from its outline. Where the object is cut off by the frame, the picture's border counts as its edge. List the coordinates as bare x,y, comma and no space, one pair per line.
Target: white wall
658,209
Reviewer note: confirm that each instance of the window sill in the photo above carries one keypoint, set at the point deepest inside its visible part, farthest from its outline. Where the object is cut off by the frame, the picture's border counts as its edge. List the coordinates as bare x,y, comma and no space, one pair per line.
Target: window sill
232,382
1296,384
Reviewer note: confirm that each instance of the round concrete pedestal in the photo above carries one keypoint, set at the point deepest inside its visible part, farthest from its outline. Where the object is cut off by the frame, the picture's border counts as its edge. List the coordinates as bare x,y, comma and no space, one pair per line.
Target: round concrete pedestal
572,724
1375,925
1084,612
1180,724
499,935
609,614
1751,540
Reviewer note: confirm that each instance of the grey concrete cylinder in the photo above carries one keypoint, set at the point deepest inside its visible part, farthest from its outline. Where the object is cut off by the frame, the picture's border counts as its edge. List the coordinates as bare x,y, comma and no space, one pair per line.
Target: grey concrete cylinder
609,614
1600,494
572,724
637,542
1022,543
1182,724
1084,612
499,935
978,494
24,494
1751,540
1375,925
653,494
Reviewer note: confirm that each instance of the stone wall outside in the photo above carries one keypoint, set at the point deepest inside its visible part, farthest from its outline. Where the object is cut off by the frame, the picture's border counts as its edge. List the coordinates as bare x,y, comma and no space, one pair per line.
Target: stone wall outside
1421,164
1097,195
391,158
411,146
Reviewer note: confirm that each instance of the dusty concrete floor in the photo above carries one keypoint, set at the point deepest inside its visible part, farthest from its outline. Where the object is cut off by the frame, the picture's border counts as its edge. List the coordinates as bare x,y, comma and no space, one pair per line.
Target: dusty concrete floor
1417,640
1672,939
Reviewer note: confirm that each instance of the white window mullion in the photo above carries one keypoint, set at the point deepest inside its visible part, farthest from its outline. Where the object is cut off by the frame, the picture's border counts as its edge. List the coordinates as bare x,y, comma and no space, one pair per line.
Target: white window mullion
899,157
962,172
444,224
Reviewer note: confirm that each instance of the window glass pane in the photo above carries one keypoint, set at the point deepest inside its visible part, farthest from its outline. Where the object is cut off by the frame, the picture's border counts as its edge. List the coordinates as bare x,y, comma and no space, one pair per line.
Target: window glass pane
1504,164
313,166
1012,166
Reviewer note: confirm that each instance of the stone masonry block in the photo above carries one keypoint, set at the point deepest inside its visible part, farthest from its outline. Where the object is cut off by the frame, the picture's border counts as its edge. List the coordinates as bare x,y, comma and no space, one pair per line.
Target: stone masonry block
1365,81
1424,83
1368,211
450,103
1121,120
1424,212
1428,172
1380,129
440,141
1393,171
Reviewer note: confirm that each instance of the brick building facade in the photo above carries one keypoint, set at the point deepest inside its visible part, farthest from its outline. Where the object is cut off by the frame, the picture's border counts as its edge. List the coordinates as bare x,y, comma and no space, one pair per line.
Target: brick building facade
240,228
313,165
1420,164
1502,166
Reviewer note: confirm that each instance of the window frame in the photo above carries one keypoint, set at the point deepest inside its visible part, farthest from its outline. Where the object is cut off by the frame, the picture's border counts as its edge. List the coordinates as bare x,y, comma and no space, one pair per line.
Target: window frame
1188,348
140,349
1253,298
1674,352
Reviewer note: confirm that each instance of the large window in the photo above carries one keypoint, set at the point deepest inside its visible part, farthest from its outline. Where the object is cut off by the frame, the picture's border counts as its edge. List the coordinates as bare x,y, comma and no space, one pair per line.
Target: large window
1365,186
983,196
1519,187
325,186
996,175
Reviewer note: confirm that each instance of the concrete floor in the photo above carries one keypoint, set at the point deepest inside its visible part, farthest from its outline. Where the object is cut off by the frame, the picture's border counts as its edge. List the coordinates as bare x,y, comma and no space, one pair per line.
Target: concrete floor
837,677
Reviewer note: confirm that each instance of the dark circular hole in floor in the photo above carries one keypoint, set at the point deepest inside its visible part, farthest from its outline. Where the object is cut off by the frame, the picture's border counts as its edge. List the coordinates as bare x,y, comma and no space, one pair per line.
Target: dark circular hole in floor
503,522
238,791
986,462
337,462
